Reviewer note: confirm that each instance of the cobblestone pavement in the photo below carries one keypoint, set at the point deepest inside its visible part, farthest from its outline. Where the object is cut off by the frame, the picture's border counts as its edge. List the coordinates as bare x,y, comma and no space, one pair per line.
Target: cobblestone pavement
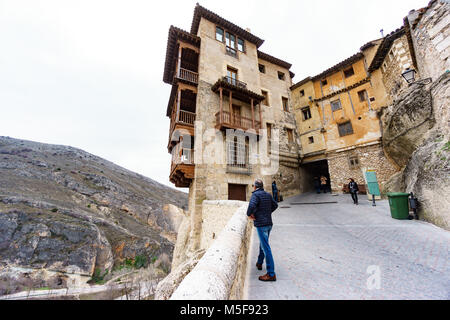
341,251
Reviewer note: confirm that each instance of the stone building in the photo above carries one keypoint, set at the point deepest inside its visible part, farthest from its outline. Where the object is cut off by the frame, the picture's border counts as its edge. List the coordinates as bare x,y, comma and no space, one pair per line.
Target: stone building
231,119
338,123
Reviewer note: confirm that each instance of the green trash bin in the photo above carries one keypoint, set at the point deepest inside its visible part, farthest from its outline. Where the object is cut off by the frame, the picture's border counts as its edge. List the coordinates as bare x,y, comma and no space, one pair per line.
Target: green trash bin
398,202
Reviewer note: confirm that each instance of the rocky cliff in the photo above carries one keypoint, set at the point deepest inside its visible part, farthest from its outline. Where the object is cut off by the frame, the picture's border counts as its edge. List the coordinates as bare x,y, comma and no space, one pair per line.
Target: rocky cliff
415,136
67,216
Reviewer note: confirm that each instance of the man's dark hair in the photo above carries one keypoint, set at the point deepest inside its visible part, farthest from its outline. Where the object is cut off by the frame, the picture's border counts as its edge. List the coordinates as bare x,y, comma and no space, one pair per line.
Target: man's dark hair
259,184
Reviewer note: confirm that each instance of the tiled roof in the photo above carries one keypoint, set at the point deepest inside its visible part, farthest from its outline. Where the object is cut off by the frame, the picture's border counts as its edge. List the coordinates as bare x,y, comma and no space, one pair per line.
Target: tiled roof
200,12
384,48
339,66
269,58
300,83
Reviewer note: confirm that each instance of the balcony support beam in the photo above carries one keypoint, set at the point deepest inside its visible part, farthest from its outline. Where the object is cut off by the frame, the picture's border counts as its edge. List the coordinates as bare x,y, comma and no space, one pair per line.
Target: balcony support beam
253,114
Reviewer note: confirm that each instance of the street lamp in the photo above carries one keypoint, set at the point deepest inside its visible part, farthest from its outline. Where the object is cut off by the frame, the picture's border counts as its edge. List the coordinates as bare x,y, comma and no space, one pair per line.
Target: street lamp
410,76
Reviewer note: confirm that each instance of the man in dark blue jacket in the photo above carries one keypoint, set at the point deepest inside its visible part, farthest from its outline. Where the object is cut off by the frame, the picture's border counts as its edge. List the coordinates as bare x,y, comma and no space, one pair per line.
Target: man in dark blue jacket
260,210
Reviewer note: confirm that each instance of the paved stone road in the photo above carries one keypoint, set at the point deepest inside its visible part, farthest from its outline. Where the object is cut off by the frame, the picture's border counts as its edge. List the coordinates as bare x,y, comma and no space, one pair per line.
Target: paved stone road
324,251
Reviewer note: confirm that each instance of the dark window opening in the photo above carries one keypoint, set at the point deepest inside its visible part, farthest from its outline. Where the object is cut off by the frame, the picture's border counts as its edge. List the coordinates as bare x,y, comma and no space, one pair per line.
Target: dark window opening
262,68
353,162
280,75
336,105
306,113
266,97
345,129
362,95
349,72
324,82
302,93
311,140
285,102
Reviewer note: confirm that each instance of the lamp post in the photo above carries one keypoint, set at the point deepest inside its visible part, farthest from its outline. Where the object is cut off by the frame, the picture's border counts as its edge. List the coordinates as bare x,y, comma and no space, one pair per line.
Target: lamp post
410,77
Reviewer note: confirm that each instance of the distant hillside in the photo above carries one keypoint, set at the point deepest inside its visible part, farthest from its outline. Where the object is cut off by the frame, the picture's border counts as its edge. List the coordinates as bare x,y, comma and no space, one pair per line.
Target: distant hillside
65,213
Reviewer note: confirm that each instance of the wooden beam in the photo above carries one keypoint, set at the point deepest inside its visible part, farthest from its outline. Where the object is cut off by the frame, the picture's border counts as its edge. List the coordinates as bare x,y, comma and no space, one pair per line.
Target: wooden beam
221,104
253,114
178,104
260,116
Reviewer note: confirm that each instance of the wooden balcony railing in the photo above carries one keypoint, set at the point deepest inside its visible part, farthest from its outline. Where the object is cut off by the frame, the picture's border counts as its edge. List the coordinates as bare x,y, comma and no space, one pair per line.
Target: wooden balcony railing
236,121
188,75
181,156
235,82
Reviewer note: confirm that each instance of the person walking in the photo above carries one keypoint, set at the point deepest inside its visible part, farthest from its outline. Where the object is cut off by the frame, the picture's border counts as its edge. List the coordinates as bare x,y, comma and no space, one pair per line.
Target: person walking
323,183
353,187
275,191
317,184
260,211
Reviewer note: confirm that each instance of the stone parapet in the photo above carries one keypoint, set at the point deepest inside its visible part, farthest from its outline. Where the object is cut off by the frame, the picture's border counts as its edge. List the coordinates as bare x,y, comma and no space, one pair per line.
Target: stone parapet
219,274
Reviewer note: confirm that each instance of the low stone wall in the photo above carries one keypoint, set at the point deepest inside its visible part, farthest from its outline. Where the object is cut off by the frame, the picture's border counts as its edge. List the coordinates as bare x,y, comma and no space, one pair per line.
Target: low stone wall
220,274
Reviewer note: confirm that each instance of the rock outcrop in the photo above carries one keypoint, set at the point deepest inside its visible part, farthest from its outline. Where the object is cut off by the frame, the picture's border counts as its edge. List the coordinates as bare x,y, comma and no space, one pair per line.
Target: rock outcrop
67,216
415,136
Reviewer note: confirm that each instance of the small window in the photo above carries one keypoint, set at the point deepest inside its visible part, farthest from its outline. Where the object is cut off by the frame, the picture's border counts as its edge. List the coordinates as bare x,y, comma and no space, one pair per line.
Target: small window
336,105
324,82
362,95
349,72
285,102
232,76
391,55
345,129
311,140
219,34
269,131
241,45
353,162
290,135
280,75
306,113
266,97
262,68
302,93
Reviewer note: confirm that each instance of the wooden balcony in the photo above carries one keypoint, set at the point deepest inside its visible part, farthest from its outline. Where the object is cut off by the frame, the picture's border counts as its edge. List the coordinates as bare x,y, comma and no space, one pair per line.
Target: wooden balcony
182,169
187,75
226,120
235,82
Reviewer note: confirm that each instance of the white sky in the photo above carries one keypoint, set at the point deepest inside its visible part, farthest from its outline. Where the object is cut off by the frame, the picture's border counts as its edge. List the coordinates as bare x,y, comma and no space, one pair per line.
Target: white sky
88,73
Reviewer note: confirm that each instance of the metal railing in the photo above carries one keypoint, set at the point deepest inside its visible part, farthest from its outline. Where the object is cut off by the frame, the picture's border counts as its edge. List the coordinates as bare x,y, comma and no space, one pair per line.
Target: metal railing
240,169
235,82
231,52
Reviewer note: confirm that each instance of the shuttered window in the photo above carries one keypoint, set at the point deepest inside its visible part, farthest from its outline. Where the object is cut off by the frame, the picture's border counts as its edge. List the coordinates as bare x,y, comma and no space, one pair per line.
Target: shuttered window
345,129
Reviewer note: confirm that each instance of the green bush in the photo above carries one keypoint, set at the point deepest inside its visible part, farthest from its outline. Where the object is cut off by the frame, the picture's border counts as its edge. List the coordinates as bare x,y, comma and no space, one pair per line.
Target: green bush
54,210
140,262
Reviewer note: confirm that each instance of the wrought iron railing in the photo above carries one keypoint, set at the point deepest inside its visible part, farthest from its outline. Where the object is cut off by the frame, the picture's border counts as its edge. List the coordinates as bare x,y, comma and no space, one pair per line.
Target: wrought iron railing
240,169
231,52
235,82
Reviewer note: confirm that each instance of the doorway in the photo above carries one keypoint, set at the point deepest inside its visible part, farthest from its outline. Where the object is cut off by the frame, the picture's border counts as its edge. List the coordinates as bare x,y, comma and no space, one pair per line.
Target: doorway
237,192
312,170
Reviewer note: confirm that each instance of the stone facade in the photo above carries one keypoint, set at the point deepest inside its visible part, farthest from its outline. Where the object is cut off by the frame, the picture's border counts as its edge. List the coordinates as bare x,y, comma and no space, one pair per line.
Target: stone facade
370,157
213,174
396,62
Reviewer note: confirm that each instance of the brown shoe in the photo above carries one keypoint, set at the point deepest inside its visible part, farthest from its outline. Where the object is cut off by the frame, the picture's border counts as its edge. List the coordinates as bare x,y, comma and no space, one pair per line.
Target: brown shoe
259,266
268,278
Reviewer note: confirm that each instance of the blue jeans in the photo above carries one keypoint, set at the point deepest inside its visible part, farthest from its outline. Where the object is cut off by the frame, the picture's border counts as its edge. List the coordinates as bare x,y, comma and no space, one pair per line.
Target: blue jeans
264,249
275,195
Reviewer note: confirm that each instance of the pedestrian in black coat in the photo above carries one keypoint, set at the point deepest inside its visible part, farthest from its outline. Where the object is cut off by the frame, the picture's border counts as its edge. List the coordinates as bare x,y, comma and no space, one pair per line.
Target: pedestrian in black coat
353,187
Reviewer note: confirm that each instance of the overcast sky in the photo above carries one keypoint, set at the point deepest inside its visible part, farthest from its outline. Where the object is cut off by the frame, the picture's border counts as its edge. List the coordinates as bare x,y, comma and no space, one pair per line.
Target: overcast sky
89,73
